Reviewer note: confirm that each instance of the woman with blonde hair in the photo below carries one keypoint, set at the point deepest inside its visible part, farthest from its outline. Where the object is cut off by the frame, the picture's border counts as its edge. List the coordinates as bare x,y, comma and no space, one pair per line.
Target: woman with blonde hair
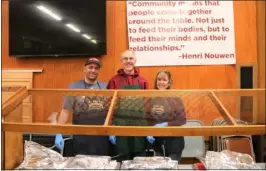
166,111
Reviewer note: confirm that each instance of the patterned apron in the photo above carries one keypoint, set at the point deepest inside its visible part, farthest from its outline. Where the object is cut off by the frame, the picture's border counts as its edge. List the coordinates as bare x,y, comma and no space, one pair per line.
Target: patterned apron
130,112
90,111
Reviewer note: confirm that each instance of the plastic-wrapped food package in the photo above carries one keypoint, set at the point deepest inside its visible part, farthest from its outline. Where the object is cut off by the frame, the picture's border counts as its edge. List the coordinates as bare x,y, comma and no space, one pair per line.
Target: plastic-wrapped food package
89,162
40,157
86,162
112,165
228,160
150,163
152,159
130,164
76,163
102,162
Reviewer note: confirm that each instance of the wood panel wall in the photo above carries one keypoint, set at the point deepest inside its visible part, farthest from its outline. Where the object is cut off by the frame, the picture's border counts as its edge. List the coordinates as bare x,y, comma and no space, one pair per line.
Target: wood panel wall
261,58
59,73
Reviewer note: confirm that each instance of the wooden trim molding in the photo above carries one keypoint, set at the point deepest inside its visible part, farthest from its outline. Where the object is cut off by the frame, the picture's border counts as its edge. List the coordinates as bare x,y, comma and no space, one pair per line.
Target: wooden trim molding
22,70
14,101
225,114
260,14
109,116
135,130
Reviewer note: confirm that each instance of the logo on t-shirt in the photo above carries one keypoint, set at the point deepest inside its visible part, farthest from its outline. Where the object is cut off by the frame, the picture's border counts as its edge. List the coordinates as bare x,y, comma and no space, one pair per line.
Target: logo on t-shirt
95,104
86,104
157,109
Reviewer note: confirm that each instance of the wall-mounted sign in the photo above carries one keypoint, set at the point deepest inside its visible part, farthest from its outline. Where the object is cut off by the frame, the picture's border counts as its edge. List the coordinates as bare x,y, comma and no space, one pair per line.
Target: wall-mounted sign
181,32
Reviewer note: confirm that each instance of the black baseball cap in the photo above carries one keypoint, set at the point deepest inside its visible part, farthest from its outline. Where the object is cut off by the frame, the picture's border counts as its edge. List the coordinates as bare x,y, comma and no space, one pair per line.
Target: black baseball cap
93,60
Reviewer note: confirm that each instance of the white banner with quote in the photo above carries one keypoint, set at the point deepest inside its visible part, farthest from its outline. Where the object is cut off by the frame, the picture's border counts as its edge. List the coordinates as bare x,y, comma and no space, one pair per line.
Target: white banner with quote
163,33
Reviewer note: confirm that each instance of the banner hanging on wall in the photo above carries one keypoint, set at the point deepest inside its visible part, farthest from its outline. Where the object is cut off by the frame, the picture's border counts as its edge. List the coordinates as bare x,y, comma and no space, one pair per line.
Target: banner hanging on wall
181,32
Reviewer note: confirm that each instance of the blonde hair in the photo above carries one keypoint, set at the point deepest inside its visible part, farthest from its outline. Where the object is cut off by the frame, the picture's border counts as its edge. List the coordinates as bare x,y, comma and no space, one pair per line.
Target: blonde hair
169,77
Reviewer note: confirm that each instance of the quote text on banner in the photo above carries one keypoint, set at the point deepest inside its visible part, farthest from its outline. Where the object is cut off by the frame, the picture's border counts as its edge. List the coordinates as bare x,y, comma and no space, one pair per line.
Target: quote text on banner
165,33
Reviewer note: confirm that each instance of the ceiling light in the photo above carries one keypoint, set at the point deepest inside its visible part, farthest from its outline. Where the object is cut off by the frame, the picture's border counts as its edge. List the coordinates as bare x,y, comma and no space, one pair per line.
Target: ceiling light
86,36
47,11
73,27
94,41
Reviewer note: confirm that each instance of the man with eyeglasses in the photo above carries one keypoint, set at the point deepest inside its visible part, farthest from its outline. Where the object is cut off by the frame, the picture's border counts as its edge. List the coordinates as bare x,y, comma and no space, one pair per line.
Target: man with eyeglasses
130,110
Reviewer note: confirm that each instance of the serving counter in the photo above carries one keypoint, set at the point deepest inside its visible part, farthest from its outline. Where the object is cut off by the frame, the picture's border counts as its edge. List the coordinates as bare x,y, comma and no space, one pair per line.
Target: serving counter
216,102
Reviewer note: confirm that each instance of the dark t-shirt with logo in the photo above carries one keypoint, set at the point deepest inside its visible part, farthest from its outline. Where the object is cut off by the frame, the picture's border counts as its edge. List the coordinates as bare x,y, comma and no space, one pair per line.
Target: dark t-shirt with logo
166,109
87,110
70,100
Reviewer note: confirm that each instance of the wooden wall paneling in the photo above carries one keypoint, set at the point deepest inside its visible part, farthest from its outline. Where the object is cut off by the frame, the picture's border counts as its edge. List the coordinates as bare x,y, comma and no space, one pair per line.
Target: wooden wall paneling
13,145
261,42
12,111
7,92
120,32
59,73
108,60
245,31
2,150
21,78
261,58
14,100
6,95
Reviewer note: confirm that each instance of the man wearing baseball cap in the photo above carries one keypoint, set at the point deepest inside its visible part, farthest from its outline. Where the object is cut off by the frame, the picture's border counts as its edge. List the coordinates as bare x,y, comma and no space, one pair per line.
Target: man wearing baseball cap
87,110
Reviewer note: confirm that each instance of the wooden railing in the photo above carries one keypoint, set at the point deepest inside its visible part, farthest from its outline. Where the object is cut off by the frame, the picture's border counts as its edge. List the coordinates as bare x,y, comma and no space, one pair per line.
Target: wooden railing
13,127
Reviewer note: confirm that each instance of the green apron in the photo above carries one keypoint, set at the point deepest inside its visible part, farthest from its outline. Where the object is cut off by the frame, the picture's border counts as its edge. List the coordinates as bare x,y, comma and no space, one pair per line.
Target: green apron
130,112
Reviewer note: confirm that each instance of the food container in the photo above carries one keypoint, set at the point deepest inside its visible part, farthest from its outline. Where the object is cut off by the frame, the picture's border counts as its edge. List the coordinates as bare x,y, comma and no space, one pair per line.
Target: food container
149,163
40,157
228,160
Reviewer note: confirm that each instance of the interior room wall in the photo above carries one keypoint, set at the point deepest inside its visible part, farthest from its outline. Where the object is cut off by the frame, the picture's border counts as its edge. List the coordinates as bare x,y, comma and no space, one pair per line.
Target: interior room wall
58,73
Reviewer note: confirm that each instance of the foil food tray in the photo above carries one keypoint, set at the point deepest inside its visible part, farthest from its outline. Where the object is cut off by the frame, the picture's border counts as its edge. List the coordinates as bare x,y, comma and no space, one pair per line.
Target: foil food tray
149,163
40,157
